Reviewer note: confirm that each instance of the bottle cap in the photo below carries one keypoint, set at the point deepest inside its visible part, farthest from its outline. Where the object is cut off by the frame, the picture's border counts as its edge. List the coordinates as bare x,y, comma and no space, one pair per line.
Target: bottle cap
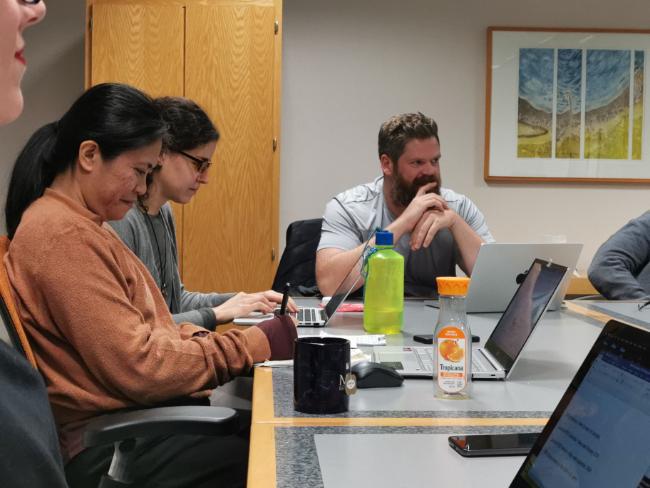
383,238
452,285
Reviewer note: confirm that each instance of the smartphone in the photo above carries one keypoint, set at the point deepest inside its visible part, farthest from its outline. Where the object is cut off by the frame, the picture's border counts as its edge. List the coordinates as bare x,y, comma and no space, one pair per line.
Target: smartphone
493,444
428,338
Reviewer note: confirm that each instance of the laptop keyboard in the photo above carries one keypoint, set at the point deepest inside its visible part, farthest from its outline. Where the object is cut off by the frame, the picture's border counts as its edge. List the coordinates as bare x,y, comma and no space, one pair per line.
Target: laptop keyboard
479,363
310,315
424,356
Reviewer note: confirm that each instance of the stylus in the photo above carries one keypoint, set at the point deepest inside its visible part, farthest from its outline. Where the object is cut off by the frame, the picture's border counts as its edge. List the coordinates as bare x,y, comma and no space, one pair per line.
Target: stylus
285,299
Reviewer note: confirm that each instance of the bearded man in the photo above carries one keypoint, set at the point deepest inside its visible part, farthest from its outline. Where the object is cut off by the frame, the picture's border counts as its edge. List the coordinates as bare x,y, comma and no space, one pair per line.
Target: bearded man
434,228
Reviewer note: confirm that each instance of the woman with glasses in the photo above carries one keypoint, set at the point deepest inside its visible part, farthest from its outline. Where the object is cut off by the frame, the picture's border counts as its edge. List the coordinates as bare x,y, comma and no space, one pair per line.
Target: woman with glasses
149,230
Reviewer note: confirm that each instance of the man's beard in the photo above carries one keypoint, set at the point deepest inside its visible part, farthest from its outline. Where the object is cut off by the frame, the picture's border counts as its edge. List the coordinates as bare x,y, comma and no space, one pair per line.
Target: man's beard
404,192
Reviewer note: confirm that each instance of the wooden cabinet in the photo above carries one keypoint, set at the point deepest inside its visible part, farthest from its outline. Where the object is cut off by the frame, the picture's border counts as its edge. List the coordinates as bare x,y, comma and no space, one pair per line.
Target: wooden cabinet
225,55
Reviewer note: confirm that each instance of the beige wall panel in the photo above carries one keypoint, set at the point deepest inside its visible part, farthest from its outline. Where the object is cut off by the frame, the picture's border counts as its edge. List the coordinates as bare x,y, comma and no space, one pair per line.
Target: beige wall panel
229,225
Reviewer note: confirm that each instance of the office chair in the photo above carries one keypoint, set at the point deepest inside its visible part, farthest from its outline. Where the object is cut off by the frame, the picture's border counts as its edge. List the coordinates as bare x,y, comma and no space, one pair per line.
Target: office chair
122,428
298,262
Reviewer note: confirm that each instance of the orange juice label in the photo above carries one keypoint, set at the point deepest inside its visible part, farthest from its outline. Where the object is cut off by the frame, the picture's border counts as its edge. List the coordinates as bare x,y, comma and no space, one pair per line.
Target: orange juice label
452,366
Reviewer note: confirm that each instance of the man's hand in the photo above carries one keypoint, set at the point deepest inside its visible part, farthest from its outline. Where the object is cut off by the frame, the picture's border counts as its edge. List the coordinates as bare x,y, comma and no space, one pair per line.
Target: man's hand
413,214
467,240
243,304
428,226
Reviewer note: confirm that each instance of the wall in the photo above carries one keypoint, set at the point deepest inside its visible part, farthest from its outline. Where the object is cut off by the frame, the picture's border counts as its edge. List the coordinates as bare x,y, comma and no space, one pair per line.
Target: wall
348,66
54,79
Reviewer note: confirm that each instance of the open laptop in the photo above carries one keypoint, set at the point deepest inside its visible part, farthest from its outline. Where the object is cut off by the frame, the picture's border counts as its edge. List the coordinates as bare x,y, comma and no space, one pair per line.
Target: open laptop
497,359
316,316
598,435
498,265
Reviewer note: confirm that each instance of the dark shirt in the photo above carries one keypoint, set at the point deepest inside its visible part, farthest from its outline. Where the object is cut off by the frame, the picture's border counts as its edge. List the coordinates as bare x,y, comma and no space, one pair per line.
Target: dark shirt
619,269
29,445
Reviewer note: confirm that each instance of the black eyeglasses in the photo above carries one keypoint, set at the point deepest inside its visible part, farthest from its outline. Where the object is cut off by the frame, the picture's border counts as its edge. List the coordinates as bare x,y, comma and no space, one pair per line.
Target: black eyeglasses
201,165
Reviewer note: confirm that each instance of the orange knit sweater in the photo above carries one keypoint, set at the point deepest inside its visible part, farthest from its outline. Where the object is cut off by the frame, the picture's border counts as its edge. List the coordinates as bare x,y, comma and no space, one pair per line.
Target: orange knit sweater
100,329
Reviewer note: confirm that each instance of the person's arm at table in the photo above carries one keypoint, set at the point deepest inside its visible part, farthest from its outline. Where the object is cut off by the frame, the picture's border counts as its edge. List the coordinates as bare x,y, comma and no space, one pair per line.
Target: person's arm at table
466,224
617,264
334,263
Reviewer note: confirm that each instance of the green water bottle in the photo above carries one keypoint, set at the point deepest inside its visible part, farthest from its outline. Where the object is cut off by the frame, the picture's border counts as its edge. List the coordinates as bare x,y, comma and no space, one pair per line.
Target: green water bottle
383,296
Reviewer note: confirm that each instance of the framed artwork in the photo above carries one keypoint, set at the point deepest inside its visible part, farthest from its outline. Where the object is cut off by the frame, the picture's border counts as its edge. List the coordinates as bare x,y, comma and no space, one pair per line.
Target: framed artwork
567,105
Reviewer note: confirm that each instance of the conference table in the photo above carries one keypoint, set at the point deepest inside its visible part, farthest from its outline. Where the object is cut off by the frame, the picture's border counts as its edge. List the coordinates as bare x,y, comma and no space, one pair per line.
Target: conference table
397,437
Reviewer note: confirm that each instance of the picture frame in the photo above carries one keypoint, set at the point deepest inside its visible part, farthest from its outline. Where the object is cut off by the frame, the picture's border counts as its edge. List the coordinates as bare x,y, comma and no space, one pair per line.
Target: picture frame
567,105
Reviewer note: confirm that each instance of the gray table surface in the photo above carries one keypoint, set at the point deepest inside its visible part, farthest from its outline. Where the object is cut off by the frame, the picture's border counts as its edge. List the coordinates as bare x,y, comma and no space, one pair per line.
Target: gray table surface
419,456
386,457
553,354
627,311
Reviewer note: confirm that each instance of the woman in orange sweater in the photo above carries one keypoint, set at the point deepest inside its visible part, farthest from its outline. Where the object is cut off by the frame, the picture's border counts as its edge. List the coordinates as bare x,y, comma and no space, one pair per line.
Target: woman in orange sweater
101,331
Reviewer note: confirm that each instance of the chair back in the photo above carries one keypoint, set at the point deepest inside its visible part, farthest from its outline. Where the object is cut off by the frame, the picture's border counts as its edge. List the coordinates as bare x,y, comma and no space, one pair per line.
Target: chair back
298,263
9,317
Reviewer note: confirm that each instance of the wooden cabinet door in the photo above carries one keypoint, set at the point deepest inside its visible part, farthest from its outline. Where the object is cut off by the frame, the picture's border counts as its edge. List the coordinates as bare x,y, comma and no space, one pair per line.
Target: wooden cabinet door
225,55
230,229
141,44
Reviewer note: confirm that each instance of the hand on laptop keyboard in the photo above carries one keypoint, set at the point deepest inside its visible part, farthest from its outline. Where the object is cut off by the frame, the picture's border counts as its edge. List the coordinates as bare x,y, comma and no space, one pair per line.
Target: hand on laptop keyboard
243,304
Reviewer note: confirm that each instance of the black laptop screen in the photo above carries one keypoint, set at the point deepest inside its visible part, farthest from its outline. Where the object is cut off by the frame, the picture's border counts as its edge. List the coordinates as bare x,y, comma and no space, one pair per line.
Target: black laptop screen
524,311
598,435
349,283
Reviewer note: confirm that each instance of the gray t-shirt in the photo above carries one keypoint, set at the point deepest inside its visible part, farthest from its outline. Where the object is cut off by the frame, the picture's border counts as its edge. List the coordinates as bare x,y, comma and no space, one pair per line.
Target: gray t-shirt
351,216
153,241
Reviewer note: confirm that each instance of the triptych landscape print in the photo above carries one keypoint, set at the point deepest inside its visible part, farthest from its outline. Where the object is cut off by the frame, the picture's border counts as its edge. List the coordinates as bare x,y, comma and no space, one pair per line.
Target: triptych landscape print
580,103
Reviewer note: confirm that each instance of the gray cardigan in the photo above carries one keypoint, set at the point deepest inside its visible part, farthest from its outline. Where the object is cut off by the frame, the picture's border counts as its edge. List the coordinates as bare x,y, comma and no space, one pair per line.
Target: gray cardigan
185,306
619,270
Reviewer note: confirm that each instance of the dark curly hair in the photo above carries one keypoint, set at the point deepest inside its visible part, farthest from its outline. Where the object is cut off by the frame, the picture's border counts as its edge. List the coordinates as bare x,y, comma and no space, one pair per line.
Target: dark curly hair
188,127
400,129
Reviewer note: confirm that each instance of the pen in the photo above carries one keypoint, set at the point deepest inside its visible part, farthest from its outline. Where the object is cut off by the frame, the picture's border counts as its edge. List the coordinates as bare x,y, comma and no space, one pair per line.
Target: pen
285,299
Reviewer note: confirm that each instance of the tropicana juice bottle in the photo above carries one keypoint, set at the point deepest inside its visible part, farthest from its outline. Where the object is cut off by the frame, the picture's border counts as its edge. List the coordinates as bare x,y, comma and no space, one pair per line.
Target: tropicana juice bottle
452,339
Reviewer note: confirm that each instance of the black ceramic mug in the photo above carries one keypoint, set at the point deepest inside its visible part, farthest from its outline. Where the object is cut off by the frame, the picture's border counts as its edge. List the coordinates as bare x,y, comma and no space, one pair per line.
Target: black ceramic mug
322,381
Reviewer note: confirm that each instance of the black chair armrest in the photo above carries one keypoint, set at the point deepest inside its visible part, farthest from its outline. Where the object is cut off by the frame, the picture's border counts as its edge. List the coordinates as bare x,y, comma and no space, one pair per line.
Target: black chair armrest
153,422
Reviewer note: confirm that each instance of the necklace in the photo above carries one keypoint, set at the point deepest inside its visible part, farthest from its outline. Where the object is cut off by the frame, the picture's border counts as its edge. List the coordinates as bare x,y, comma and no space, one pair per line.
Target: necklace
162,255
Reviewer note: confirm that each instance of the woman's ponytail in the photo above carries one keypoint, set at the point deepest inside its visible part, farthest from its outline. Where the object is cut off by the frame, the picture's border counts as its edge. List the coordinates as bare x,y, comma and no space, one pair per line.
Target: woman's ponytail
31,175
117,117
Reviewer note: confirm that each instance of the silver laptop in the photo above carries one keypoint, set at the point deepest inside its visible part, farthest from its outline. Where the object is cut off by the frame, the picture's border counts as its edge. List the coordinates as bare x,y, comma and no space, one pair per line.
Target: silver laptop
502,349
316,316
500,266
